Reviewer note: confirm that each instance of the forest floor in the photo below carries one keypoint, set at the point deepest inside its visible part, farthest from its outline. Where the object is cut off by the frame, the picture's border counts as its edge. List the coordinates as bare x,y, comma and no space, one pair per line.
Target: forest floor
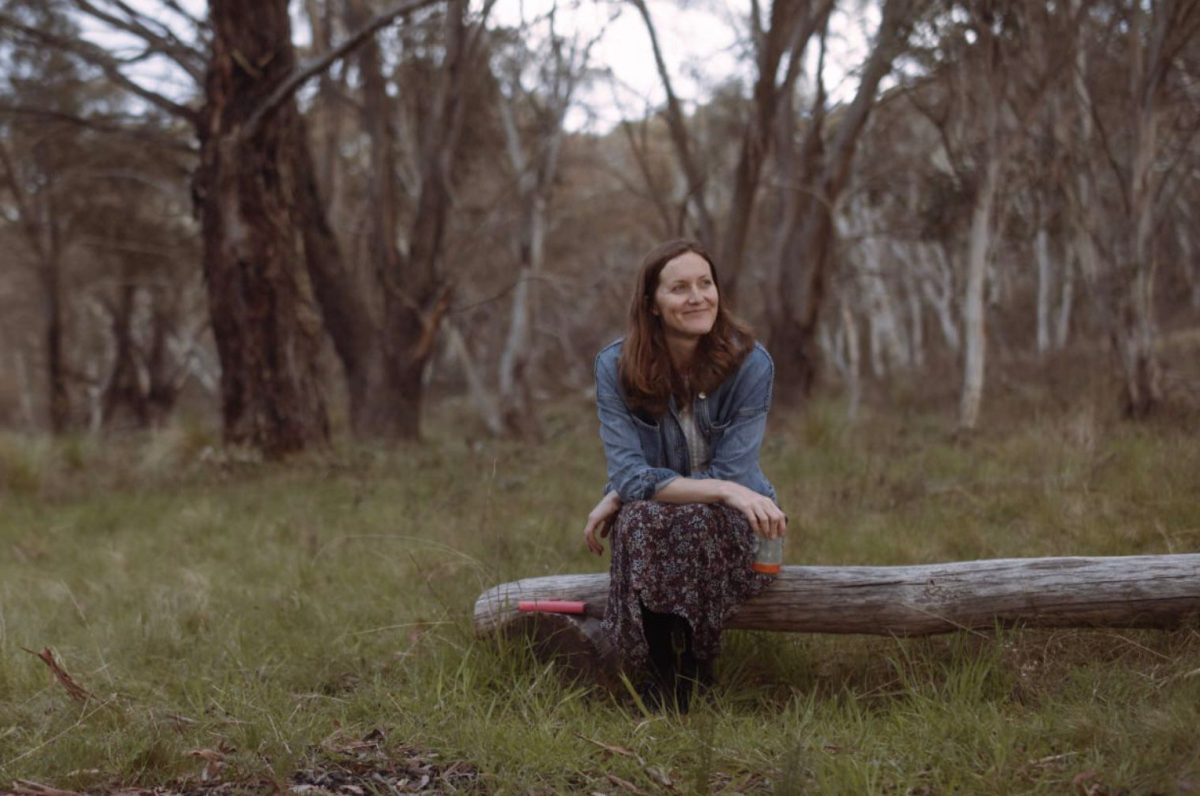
228,626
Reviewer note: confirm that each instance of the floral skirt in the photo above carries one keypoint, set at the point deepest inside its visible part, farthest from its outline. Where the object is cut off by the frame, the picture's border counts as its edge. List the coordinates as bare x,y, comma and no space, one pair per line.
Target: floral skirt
692,560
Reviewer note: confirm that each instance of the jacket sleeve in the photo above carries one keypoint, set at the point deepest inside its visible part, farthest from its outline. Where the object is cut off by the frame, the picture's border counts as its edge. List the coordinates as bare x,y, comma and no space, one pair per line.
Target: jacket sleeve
629,473
735,451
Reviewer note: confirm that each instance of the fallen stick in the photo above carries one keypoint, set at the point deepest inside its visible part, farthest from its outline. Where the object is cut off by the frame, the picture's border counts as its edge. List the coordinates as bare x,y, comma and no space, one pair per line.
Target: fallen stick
74,689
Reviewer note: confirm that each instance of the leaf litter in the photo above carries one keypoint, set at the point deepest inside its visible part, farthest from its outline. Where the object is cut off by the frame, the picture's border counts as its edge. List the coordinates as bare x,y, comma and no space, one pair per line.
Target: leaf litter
368,766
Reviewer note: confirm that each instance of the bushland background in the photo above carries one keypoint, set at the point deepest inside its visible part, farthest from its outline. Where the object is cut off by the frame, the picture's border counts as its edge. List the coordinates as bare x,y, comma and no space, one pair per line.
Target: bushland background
299,305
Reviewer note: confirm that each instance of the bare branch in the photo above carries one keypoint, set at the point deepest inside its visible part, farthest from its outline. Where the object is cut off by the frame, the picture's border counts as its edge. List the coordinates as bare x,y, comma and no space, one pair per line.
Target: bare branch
171,5
161,41
316,66
98,57
101,124
653,192
679,133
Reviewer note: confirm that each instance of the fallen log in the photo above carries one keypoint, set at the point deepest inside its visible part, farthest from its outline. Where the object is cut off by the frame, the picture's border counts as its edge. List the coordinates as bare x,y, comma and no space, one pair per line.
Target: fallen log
1127,591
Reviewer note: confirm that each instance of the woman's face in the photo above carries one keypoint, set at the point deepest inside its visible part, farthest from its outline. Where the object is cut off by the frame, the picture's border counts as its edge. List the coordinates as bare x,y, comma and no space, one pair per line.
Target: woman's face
686,296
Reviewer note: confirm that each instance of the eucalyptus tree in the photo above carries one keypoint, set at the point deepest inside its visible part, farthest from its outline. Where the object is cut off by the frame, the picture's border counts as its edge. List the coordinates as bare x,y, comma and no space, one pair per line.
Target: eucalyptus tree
266,239
536,90
1138,118
36,156
777,41
818,171
96,195
384,313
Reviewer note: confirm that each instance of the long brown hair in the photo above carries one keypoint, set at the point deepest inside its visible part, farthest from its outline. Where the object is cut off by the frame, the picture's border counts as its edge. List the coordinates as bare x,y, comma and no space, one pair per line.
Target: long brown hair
647,376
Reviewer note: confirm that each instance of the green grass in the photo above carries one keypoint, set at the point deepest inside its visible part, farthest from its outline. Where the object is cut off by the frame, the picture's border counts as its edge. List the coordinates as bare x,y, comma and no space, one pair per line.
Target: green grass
209,601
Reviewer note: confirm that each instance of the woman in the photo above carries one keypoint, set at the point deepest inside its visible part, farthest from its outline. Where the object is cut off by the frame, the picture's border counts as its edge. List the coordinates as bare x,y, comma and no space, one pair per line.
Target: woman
683,402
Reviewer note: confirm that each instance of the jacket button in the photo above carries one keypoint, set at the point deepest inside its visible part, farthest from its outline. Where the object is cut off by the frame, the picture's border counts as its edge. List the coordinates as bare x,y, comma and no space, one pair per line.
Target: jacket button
702,396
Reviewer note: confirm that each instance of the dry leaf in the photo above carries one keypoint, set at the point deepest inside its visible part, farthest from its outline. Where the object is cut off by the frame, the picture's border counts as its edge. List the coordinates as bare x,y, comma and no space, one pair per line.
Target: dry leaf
214,761
660,777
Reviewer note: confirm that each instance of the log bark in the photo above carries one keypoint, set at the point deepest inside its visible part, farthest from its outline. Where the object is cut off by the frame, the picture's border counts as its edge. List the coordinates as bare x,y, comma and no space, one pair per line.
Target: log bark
1126,591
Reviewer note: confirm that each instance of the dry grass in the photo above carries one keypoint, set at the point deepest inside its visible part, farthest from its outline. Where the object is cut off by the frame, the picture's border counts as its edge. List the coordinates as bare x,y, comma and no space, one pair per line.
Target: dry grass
272,613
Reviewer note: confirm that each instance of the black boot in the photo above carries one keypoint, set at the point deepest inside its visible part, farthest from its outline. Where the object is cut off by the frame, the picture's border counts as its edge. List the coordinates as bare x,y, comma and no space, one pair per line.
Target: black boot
695,678
658,692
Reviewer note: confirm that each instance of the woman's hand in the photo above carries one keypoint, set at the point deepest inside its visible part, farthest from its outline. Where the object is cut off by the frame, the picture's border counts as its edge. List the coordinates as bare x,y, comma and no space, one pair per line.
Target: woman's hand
766,518
599,521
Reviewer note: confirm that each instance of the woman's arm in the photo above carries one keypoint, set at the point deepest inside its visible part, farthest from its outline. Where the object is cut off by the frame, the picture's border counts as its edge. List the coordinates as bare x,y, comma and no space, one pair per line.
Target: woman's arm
599,521
735,454
628,471
766,518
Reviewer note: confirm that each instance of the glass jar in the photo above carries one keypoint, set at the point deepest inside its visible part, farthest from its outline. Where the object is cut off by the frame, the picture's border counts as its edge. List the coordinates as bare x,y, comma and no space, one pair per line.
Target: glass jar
768,555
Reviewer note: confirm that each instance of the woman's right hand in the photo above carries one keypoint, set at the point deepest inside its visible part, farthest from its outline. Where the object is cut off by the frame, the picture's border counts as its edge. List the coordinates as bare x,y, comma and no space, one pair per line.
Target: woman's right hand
765,518
599,521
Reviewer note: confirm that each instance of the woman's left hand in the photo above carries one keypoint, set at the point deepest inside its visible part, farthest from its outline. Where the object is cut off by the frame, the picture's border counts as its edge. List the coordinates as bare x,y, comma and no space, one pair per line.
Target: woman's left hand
765,517
599,521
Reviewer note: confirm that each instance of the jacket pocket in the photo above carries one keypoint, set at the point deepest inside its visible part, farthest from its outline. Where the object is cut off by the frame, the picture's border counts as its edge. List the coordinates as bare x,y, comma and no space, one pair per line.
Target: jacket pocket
650,439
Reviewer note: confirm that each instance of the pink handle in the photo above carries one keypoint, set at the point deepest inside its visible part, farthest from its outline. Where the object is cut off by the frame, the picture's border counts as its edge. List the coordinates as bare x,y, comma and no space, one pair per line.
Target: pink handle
553,606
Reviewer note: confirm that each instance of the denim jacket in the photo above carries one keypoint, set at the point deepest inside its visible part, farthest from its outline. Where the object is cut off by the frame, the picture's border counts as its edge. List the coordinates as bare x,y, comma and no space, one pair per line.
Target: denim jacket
645,453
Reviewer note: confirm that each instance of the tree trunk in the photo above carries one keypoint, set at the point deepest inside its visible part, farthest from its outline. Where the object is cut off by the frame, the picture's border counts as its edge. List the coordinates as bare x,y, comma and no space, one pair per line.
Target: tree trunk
912,297
387,385
1066,303
533,177
937,285
516,361
50,279
802,276
789,29
974,328
1137,332
1045,278
853,365
1125,591
263,318
477,388
164,375
384,394
1189,262
37,216
123,387
1136,343
326,105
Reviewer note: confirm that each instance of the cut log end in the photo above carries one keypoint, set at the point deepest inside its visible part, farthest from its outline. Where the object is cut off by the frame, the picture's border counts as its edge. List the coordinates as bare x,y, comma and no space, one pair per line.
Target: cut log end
575,643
